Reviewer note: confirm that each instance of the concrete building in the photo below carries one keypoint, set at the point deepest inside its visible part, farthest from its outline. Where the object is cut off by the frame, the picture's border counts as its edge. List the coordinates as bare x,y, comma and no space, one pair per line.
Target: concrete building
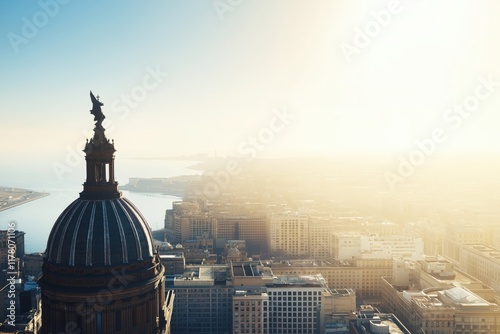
32,264
437,299
294,304
220,222
432,234
174,263
337,309
320,238
458,235
369,320
289,234
454,310
177,221
11,253
246,297
363,276
483,262
348,246
250,274
250,311
202,300
242,226
293,301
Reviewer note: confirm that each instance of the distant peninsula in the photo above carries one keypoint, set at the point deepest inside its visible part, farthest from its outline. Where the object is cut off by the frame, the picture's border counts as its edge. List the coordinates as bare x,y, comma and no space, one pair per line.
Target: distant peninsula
11,197
175,186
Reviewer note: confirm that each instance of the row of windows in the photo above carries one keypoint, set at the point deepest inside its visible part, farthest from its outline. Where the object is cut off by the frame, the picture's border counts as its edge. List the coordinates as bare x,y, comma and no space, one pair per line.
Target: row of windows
248,303
300,299
284,304
293,293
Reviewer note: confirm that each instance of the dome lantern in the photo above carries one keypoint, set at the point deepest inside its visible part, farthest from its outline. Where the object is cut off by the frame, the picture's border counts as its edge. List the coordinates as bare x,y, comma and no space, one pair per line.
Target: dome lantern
99,156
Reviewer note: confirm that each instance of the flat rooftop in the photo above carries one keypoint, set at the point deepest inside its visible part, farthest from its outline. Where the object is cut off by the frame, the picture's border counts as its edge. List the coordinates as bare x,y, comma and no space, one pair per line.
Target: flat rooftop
486,250
461,296
314,280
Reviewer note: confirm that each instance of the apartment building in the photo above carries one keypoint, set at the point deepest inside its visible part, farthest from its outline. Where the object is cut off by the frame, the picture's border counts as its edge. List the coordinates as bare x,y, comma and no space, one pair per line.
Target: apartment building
483,262
362,276
289,234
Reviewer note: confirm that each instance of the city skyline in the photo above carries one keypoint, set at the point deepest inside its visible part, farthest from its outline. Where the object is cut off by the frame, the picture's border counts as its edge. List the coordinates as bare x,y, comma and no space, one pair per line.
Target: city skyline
280,167
355,78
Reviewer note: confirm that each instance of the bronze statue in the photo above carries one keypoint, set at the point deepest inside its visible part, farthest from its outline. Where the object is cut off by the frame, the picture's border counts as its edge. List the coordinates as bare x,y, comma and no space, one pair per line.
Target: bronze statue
99,137
96,108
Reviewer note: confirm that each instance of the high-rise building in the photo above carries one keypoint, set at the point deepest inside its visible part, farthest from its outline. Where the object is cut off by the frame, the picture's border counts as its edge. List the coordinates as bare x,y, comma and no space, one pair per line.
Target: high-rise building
100,271
458,235
249,227
337,308
250,311
188,220
294,304
320,238
363,276
289,234
202,300
11,252
482,262
33,264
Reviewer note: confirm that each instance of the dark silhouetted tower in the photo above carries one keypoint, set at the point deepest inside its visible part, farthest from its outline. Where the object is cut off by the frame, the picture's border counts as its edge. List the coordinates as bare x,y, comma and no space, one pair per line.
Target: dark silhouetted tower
101,273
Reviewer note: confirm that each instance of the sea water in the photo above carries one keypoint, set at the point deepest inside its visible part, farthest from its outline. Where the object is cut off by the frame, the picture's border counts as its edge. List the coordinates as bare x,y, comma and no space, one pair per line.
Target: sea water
36,218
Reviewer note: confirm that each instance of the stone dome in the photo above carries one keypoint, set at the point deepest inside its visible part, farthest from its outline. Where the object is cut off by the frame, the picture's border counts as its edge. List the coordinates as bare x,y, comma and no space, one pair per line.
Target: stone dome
233,252
94,233
101,272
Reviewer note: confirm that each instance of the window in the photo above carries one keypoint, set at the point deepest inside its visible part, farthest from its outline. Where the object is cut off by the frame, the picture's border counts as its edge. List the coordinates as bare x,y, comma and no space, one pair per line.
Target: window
99,323
118,320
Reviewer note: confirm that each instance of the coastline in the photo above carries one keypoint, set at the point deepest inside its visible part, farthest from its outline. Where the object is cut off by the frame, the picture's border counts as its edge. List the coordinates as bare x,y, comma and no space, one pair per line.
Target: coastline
28,195
170,186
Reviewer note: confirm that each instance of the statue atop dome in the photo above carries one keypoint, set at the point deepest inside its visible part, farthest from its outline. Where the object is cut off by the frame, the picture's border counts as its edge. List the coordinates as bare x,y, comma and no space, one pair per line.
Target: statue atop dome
99,136
96,108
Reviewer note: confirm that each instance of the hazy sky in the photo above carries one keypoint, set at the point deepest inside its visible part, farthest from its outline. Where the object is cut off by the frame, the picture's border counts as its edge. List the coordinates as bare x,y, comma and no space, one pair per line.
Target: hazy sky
352,76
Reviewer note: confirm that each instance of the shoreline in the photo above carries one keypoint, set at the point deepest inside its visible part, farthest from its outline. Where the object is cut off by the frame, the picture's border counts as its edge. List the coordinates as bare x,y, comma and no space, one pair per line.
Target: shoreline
24,201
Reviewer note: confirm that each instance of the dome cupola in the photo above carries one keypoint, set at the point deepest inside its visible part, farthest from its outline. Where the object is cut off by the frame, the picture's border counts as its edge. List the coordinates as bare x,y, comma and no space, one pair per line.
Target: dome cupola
100,272
100,228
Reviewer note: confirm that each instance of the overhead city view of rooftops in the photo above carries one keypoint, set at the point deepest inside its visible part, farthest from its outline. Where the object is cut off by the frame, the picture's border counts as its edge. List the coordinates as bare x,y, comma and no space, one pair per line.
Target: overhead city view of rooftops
250,166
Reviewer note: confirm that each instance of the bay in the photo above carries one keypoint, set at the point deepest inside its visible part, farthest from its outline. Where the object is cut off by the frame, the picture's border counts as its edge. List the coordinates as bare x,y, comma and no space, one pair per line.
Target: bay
36,218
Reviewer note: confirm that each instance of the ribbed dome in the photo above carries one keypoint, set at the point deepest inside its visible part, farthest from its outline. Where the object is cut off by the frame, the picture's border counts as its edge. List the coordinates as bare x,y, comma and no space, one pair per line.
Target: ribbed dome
106,232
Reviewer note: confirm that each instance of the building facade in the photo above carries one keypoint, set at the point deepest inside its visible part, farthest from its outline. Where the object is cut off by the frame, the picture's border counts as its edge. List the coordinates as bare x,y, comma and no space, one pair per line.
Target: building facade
289,234
483,262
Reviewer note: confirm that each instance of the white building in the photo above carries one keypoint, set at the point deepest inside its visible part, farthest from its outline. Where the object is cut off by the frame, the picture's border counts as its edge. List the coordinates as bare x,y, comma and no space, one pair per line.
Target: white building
347,246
